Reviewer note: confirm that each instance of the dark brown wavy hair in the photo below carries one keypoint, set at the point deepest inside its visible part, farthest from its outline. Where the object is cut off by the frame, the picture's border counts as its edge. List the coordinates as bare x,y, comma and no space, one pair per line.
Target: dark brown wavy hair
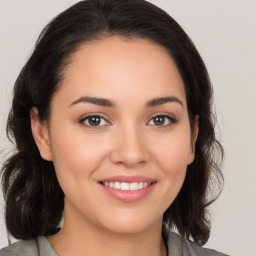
34,198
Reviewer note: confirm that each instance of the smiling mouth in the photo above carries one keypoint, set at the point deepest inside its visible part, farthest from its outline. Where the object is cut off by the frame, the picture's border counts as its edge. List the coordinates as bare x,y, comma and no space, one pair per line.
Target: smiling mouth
127,186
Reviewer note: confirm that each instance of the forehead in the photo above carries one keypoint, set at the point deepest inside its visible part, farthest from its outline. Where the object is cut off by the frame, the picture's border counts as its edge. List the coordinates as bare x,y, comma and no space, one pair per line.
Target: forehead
117,67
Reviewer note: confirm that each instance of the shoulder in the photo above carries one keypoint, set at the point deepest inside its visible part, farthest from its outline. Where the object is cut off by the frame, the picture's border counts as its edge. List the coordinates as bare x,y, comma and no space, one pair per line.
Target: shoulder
33,247
197,250
177,245
23,247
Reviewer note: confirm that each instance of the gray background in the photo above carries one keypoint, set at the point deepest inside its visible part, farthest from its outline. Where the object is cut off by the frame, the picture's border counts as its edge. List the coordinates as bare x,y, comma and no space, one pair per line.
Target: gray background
224,32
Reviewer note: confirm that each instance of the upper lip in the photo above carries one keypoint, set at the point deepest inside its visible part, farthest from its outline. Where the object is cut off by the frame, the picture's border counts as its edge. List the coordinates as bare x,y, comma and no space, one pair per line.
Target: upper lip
128,179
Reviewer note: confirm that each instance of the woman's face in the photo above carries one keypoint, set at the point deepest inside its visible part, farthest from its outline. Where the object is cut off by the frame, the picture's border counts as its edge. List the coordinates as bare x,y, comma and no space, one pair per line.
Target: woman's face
119,135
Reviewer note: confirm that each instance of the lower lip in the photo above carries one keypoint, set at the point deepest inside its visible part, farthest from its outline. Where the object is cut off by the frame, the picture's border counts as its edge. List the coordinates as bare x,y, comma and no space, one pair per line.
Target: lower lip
128,195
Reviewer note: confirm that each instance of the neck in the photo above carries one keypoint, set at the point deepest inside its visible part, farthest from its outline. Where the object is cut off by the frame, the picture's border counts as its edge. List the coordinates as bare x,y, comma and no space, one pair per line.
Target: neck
81,238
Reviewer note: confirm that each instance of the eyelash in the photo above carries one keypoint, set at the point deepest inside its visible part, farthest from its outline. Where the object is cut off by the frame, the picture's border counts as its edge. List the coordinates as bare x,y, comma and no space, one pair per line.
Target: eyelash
172,120
82,121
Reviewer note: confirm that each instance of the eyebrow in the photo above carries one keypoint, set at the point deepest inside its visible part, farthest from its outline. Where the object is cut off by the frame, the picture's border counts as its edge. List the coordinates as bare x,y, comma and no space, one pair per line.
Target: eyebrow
163,100
111,104
93,100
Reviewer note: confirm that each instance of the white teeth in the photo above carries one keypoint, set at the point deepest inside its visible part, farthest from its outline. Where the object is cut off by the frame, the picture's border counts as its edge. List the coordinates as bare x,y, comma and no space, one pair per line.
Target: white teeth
140,185
117,185
126,186
134,186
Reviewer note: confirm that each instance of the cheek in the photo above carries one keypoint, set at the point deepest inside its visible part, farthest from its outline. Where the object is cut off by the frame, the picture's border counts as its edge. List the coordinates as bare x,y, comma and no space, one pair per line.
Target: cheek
174,153
76,155
172,158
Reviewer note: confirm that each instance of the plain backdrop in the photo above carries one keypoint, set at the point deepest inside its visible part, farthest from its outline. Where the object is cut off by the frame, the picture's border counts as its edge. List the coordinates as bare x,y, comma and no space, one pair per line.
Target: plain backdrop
224,32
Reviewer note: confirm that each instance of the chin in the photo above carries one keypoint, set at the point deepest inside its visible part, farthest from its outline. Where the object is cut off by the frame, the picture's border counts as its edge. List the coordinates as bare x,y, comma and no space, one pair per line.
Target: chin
127,224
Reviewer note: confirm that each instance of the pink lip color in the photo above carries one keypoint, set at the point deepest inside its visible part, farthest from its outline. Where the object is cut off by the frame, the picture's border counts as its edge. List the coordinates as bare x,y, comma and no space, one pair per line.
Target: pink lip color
128,195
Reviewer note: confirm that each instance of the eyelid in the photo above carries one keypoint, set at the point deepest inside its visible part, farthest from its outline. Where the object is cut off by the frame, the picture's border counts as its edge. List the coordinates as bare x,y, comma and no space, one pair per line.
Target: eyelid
173,120
101,115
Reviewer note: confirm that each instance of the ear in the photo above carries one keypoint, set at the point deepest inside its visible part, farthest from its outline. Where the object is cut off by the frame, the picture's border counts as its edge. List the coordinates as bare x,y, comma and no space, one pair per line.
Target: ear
41,135
193,139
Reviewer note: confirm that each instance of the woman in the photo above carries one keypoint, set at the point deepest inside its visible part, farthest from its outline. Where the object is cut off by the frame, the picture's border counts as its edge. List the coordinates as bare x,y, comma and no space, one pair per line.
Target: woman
114,129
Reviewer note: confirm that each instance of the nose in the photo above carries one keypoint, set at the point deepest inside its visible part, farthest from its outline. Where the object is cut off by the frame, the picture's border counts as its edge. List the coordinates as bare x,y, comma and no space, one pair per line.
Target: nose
129,147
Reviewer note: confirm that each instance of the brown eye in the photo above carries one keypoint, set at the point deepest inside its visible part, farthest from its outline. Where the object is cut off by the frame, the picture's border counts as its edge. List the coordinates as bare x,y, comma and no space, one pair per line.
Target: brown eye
94,121
161,120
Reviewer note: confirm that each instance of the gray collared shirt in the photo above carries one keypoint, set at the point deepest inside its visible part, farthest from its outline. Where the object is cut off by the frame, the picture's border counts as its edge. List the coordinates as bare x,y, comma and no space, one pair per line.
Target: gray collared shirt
41,247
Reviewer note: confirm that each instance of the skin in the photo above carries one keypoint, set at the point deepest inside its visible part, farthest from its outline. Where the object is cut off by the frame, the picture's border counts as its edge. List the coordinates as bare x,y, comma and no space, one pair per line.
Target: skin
128,141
